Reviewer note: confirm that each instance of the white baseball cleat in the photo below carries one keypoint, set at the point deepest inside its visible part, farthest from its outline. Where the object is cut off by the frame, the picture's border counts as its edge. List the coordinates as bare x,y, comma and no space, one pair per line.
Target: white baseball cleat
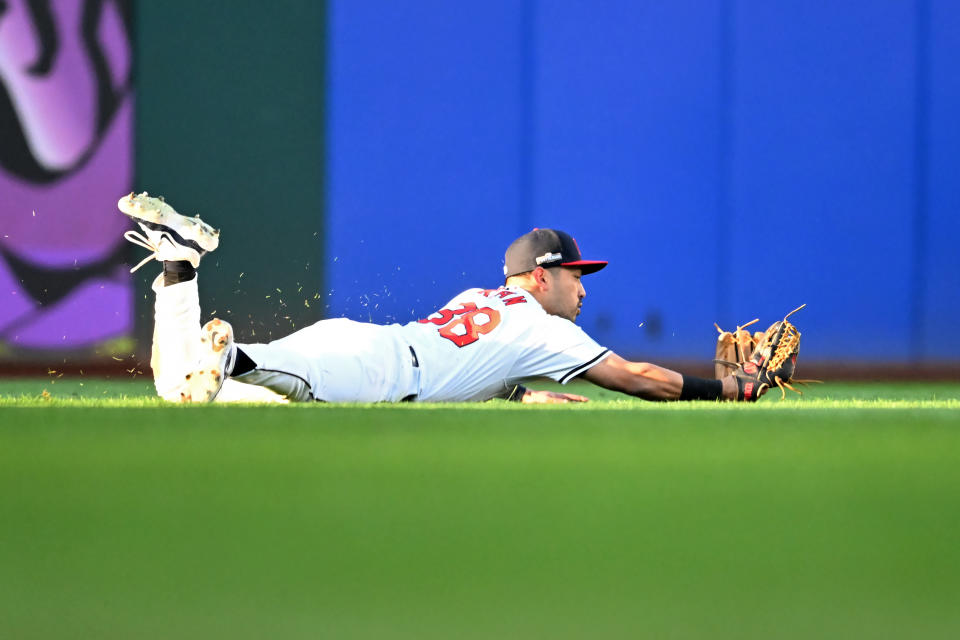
167,234
217,355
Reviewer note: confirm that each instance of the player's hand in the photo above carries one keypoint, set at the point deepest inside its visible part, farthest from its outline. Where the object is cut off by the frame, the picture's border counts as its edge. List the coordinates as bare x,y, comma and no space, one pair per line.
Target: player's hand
741,386
551,397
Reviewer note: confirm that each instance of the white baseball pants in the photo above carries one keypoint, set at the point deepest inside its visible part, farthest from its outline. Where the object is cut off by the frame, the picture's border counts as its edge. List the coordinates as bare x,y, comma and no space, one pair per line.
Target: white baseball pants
336,360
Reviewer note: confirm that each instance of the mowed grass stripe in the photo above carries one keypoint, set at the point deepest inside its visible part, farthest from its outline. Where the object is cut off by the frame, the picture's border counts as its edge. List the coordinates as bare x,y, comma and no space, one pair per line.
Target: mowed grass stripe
137,391
480,521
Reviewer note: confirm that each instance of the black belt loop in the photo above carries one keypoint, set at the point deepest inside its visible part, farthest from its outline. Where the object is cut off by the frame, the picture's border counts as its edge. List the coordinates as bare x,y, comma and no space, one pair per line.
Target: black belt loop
416,365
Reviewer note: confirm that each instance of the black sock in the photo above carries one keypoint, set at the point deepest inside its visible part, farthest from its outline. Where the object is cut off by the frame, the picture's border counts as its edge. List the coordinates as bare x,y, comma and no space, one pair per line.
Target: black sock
175,272
242,364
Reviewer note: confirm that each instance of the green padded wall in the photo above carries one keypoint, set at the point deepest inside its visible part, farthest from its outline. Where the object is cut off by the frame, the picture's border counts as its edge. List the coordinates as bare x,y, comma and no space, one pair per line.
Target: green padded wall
230,113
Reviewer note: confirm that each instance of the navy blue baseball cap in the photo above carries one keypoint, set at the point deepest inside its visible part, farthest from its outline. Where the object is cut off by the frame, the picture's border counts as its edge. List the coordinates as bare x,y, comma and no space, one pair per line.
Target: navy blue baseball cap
546,248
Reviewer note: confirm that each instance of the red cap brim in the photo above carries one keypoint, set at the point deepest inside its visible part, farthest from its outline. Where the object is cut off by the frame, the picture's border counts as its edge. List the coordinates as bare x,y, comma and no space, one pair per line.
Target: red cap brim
586,266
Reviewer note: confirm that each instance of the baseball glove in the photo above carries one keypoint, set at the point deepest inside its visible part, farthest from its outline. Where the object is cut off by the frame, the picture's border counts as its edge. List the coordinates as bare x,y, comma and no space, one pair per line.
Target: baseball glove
761,360
734,348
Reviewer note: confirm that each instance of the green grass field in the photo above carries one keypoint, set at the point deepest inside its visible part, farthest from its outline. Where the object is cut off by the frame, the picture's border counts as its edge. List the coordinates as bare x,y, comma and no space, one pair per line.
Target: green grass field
834,516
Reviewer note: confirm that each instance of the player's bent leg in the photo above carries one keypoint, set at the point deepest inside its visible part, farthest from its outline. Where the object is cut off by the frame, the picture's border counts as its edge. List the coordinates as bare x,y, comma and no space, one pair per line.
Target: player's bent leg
337,360
279,370
179,243
235,391
176,336
216,356
332,361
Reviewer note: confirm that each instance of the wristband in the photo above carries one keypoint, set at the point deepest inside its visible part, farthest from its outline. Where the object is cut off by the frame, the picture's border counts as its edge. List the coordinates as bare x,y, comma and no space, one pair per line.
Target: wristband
695,388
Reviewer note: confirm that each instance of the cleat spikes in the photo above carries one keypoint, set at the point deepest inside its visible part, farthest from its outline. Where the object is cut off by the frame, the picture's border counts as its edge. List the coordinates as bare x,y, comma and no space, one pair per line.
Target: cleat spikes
217,353
165,233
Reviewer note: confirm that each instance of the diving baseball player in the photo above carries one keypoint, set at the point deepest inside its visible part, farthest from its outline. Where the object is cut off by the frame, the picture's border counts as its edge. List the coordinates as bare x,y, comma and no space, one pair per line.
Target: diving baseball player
481,345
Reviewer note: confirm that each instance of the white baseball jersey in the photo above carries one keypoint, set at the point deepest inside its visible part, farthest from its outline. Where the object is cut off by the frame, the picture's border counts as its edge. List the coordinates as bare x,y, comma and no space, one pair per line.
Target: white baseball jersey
486,340
478,346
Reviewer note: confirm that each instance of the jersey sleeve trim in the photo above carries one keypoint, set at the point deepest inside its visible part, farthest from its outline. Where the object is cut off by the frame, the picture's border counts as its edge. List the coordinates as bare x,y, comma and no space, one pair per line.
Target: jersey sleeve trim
583,367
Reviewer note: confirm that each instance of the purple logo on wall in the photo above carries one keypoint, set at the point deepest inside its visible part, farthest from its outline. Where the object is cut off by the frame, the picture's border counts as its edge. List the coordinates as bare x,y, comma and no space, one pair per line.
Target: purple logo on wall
66,125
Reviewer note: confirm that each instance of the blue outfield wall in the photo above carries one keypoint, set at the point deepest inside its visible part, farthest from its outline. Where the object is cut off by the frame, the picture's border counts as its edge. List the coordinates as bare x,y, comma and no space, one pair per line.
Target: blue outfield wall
939,265
731,159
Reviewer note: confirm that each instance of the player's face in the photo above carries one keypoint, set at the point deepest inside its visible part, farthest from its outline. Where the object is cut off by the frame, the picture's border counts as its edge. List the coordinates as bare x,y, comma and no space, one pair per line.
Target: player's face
566,293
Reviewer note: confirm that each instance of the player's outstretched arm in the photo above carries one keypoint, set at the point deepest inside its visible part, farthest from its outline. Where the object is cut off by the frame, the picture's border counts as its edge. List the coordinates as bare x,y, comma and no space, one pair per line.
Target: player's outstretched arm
650,382
533,396
519,393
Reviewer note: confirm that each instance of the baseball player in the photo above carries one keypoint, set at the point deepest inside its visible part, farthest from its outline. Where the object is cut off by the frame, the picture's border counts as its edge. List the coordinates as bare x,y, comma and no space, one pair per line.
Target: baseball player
483,344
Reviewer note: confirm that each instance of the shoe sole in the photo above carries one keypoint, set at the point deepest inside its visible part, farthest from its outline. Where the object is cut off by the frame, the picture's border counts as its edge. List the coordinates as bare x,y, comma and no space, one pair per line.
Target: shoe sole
158,215
205,383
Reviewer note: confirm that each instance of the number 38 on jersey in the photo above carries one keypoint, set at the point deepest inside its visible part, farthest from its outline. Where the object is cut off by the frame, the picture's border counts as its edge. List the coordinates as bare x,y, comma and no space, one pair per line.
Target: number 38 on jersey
465,325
